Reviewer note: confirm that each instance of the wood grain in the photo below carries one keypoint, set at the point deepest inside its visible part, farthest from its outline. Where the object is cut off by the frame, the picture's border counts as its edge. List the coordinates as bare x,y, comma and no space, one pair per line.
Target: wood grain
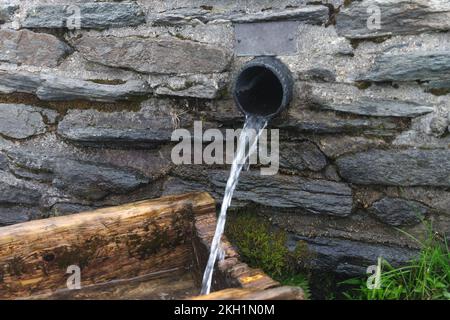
279,293
108,244
153,249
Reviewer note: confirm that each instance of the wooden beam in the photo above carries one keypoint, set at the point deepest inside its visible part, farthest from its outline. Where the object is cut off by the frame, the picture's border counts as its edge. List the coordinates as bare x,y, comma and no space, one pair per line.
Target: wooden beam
230,272
134,251
109,244
279,293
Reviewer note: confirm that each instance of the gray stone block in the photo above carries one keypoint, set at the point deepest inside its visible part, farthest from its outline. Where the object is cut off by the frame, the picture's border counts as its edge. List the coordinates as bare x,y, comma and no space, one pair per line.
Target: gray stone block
20,121
154,55
399,212
398,17
95,15
397,167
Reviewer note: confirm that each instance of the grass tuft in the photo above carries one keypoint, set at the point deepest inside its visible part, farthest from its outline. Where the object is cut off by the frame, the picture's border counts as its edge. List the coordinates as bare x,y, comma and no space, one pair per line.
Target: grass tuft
425,278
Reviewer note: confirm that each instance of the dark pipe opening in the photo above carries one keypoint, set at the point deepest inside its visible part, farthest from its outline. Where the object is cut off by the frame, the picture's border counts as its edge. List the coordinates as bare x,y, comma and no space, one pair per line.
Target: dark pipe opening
263,87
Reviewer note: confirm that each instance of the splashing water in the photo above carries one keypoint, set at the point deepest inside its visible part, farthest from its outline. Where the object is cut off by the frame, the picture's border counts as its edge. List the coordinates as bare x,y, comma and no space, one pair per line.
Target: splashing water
247,144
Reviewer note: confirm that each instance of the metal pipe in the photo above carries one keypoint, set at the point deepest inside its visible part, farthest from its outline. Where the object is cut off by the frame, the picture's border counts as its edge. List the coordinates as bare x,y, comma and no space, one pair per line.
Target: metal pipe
263,87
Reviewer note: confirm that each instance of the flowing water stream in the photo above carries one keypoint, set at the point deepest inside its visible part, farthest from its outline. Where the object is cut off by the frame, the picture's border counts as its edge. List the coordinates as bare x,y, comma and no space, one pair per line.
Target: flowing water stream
247,144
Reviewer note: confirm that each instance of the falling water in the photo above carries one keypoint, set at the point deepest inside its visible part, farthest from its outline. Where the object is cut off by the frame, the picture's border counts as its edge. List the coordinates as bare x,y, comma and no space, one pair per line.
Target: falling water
246,146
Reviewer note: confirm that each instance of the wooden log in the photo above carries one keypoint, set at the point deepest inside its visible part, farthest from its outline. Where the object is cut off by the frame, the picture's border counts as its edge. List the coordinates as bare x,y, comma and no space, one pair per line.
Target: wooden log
169,285
144,250
279,293
108,244
230,272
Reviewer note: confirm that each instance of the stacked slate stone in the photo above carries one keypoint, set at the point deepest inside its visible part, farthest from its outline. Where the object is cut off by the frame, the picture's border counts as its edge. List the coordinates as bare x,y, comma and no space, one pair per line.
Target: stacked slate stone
86,114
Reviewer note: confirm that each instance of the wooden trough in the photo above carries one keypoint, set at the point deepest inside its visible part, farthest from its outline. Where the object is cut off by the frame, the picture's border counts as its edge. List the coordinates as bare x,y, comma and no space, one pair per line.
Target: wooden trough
153,249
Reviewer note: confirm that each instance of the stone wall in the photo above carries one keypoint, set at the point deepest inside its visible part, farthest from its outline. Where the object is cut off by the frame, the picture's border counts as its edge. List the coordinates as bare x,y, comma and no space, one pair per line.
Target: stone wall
86,116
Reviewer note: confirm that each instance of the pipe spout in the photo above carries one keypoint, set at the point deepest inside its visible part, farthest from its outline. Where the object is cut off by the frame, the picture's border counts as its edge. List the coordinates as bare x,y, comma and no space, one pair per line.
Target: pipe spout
263,87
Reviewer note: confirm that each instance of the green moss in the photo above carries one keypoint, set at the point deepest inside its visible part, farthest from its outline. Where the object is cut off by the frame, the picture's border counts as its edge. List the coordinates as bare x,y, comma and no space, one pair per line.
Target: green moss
439,92
143,247
362,85
132,103
380,39
113,82
263,247
347,3
189,84
80,255
181,37
222,93
16,266
181,224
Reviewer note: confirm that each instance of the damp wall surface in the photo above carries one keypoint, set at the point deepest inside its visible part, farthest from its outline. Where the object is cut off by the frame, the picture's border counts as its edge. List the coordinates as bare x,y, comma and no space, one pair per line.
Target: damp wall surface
86,116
